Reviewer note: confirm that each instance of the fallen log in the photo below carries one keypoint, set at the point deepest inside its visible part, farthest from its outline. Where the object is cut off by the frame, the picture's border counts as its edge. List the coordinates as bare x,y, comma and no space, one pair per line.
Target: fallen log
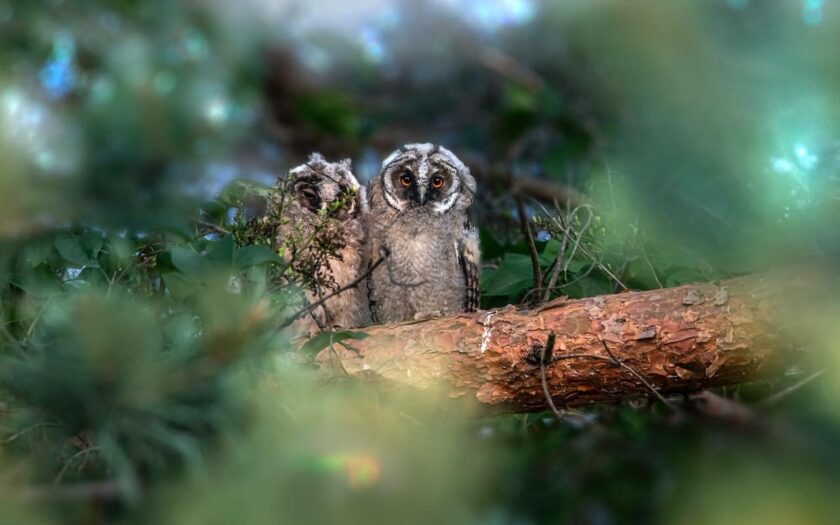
677,340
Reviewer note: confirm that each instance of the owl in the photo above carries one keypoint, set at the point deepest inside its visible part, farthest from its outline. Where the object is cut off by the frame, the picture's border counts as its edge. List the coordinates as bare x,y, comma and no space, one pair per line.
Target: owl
418,222
321,230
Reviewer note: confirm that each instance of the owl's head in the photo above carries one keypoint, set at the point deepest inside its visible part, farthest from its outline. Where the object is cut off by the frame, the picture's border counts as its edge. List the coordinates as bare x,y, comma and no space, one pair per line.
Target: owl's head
426,176
322,187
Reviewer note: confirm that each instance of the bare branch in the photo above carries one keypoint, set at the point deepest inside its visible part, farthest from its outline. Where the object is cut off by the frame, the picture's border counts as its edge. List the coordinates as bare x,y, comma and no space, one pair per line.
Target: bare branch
529,239
210,226
778,396
638,376
545,356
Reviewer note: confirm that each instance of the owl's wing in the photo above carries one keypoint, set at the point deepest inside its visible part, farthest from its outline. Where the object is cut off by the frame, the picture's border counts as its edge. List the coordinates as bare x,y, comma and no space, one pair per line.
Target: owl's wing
471,264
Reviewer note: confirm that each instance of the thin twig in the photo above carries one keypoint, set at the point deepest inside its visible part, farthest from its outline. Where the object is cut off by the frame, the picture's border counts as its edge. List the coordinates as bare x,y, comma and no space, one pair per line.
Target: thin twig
556,266
644,381
37,318
650,266
26,430
529,239
328,322
555,269
73,458
610,358
100,490
778,396
584,250
549,289
210,225
546,355
601,265
329,296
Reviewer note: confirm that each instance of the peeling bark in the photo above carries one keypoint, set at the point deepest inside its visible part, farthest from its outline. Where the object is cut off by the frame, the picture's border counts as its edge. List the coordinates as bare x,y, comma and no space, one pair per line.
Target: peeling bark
679,339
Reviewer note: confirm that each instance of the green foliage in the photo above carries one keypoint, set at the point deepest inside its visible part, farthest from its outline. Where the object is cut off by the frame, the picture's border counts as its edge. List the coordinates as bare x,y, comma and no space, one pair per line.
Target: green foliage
329,113
142,378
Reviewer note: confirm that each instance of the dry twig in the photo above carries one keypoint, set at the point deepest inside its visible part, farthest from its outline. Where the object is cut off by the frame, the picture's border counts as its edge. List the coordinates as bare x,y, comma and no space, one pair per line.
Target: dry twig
529,239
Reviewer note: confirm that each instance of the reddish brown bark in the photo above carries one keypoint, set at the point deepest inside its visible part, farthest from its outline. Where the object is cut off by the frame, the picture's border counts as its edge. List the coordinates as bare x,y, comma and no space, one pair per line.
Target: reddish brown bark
679,339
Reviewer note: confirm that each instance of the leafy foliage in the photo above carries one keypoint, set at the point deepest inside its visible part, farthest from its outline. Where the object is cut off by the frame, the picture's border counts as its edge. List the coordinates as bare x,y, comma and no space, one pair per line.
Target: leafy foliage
141,370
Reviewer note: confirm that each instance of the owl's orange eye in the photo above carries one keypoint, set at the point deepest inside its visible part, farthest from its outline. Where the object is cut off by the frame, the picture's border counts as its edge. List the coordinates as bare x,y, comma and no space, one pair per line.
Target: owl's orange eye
406,179
437,182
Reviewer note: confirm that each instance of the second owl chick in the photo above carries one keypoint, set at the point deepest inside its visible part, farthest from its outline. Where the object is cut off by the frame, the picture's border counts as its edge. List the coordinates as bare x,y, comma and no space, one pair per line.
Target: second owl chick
322,231
418,205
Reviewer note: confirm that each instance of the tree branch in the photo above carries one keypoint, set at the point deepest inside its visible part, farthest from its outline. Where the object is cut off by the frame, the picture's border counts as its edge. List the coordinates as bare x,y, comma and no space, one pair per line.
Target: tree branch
673,340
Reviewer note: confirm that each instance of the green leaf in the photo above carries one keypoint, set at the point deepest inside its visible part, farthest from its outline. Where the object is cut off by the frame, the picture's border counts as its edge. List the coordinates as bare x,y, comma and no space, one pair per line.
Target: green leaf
222,251
91,242
180,286
550,252
512,277
72,250
322,340
255,254
41,281
121,249
188,261
236,192
36,252
490,247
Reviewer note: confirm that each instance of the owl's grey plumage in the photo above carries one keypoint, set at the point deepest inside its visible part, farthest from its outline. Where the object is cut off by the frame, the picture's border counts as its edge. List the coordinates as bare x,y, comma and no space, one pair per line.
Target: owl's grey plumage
418,204
322,232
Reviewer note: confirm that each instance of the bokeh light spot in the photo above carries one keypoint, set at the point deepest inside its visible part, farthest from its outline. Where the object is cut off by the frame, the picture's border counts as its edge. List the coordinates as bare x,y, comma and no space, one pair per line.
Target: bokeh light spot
783,166
217,111
494,14
812,12
805,158
374,48
362,471
58,76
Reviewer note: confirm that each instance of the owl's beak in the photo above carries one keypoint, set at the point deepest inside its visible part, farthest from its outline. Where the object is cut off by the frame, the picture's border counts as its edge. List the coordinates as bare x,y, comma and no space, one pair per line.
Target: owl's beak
421,195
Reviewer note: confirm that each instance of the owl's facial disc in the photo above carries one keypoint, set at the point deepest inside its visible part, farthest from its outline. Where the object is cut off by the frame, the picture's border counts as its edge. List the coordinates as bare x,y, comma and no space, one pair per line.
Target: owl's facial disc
427,185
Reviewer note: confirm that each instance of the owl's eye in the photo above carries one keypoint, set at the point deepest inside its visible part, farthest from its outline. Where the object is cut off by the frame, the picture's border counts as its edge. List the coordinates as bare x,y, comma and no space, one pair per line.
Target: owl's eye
437,182
309,193
406,179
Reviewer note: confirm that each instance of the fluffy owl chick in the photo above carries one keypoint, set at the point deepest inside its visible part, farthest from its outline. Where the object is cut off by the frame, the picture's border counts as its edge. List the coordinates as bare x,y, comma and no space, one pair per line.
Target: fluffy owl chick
418,204
322,230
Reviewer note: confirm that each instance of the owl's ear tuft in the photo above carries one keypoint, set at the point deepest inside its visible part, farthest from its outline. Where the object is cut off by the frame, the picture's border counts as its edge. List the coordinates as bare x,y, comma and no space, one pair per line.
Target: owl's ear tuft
316,158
